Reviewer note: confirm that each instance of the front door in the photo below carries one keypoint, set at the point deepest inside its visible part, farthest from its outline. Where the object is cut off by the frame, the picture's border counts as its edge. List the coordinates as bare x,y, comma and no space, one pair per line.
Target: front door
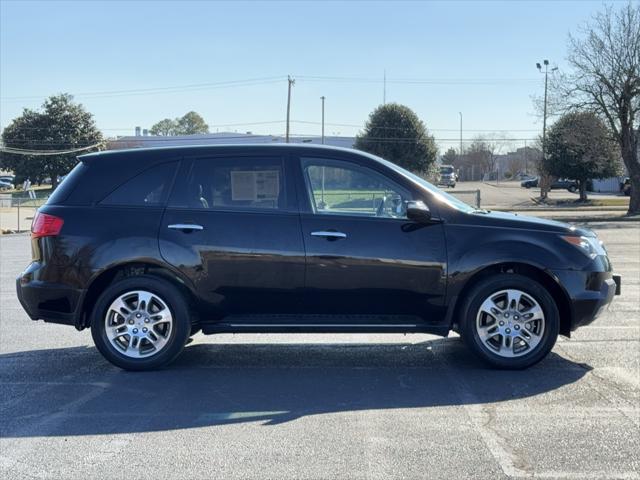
363,255
232,226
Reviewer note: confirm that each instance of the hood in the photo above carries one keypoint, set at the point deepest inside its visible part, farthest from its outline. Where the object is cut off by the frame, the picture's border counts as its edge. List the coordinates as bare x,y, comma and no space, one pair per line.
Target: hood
515,220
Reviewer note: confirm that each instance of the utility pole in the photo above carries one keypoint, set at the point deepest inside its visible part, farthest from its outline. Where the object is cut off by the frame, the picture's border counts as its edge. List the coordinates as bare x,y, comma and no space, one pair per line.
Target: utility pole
322,98
384,88
543,182
461,139
291,82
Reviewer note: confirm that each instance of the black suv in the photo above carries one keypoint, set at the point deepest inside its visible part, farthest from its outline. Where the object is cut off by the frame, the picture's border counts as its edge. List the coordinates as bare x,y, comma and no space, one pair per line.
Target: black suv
147,247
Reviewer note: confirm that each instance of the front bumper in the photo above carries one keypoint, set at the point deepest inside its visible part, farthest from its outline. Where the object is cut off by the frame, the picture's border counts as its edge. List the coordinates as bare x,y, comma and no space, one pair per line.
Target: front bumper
589,293
447,182
48,301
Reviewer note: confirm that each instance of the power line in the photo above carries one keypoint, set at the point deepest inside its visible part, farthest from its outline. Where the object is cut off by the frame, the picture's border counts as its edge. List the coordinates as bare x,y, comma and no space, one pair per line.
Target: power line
420,81
40,153
306,122
274,136
156,90
429,129
130,128
279,78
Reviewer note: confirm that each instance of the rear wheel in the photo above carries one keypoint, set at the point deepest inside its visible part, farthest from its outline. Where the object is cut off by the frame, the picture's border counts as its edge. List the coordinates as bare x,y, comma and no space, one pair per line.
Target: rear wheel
140,323
510,321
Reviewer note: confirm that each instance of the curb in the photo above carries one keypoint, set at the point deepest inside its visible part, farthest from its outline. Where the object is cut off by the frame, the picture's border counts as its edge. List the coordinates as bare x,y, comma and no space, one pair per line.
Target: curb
559,209
593,219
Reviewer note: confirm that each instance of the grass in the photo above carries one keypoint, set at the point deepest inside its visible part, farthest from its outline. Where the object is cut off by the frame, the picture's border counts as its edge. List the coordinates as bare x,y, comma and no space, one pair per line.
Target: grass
356,201
594,202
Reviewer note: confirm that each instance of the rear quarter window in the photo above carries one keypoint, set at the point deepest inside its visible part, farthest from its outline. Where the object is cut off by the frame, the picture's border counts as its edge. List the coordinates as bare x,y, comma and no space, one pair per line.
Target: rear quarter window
68,184
149,188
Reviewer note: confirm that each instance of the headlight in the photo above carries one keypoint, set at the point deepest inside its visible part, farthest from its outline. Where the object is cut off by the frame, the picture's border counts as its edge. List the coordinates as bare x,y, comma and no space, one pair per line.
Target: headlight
590,246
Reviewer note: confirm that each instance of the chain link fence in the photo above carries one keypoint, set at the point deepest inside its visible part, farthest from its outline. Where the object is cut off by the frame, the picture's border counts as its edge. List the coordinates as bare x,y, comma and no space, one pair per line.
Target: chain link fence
18,209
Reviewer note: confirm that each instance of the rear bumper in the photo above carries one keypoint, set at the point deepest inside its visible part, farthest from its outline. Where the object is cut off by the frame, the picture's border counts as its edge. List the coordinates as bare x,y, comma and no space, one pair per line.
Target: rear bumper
589,293
51,302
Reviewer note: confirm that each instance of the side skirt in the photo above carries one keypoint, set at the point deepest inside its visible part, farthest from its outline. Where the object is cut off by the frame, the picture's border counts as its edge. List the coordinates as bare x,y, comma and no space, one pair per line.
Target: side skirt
322,324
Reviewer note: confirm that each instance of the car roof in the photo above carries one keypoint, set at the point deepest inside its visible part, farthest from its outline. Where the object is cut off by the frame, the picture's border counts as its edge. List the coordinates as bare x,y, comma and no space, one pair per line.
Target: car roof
189,150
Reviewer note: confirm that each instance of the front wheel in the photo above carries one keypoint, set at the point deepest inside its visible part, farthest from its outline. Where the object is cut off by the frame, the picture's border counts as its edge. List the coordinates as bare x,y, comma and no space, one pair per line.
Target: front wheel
140,323
510,321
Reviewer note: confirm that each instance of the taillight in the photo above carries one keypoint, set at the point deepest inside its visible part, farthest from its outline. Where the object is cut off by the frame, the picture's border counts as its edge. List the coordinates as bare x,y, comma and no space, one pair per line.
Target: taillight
45,225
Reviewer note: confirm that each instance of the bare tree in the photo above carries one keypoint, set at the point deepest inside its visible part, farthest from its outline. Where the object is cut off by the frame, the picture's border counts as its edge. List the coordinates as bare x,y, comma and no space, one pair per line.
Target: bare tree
605,78
483,153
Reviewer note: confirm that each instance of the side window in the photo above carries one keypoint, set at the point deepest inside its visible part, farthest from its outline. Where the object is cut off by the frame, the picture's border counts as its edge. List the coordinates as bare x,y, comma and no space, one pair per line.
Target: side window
233,184
149,188
343,188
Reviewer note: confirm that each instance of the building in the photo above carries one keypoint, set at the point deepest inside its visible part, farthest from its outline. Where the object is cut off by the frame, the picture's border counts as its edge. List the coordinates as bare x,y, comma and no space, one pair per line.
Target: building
142,141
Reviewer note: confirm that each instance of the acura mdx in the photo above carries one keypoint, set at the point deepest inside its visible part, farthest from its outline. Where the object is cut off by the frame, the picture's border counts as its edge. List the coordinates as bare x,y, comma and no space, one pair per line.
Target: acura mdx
147,247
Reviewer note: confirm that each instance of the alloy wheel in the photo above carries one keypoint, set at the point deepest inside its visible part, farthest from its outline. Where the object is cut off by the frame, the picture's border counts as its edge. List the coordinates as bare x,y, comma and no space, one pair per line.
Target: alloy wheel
510,323
138,324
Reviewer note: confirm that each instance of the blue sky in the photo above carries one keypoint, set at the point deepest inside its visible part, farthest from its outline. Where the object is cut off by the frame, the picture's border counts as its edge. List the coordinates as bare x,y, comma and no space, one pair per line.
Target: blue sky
475,57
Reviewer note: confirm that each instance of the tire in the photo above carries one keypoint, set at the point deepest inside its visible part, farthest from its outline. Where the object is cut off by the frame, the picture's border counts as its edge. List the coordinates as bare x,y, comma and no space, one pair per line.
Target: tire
492,350
572,189
144,303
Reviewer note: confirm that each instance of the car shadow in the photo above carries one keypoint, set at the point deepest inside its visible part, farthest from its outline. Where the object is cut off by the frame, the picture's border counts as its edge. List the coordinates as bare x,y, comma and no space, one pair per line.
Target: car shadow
73,391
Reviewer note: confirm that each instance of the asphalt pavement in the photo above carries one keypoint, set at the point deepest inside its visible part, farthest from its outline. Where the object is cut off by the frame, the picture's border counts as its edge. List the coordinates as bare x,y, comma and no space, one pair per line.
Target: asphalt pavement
509,195
322,406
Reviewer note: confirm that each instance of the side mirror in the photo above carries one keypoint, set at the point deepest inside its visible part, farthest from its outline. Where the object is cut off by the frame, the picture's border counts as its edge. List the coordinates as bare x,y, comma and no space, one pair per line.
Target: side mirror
418,211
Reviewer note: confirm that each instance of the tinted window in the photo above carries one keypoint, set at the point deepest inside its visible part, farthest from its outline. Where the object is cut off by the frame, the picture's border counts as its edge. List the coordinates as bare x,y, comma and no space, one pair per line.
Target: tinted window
148,188
341,188
68,184
234,184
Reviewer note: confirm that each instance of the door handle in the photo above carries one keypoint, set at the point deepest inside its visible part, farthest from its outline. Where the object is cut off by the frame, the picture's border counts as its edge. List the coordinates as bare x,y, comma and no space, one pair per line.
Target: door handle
329,235
185,226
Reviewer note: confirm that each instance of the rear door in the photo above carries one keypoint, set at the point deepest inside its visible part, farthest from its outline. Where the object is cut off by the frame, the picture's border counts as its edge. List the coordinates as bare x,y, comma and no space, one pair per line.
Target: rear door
232,226
363,255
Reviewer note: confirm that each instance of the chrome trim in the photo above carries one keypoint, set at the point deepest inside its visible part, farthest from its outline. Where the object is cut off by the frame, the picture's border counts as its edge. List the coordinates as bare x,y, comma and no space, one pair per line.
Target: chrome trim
185,226
328,234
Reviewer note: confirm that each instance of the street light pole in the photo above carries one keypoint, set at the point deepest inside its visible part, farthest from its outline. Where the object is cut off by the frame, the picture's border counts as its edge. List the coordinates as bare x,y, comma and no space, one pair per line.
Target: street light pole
543,183
322,98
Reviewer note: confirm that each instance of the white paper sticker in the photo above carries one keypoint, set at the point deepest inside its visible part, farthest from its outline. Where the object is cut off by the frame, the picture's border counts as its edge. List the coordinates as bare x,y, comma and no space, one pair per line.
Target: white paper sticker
255,185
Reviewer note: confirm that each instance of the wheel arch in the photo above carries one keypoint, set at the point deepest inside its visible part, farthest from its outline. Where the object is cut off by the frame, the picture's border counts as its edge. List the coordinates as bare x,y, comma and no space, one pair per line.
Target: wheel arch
129,269
545,278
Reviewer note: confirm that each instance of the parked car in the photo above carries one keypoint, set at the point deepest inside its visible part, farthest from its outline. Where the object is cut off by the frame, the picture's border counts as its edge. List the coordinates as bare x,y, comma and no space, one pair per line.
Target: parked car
559,184
147,247
524,176
565,184
448,176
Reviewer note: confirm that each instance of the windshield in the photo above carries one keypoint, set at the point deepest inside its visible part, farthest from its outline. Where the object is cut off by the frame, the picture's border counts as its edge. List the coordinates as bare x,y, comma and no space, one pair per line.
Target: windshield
435,191
446,170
